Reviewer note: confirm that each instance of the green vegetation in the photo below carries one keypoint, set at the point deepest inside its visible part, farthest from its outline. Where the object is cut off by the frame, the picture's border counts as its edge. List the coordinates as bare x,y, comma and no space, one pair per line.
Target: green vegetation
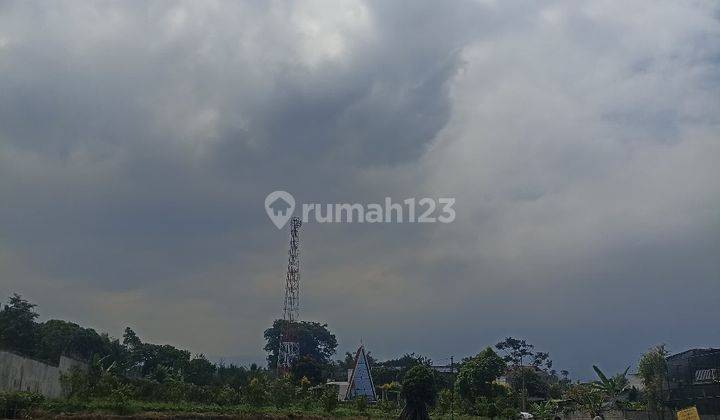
612,388
419,391
317,343
132,376
15,405
477,375
652,369
544,410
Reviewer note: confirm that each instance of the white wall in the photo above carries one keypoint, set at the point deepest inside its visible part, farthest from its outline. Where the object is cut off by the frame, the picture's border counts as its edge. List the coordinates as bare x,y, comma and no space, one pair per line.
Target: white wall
19,373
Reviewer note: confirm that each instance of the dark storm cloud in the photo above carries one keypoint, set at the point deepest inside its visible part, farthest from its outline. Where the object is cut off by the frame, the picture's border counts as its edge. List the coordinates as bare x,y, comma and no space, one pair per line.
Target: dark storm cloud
138,142
176,118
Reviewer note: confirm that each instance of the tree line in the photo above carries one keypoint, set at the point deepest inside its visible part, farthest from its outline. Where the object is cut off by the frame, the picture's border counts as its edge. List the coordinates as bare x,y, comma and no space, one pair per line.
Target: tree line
499,381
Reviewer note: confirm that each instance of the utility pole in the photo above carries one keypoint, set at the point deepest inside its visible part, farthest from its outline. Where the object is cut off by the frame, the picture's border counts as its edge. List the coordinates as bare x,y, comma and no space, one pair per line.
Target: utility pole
452,387
524,389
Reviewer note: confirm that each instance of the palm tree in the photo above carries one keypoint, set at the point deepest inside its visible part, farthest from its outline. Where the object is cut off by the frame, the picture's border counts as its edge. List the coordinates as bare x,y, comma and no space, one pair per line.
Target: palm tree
613,388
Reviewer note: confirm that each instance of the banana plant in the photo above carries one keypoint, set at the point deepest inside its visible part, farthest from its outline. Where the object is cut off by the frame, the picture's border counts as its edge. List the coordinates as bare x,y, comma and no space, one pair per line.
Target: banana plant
544,410
613,388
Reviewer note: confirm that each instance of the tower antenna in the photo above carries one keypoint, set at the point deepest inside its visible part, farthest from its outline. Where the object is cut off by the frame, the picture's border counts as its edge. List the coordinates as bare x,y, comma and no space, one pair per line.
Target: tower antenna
289,345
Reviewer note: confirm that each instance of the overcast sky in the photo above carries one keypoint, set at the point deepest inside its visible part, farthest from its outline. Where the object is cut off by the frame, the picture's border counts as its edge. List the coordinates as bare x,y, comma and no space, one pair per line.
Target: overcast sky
581,140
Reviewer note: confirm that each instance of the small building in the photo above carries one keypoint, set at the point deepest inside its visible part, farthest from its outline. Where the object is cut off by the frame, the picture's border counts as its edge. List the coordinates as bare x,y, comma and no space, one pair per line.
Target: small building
693,378
359,380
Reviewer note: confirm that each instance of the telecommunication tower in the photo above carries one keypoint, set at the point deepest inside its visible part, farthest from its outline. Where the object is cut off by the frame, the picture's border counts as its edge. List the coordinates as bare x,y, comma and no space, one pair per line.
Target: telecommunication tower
289,346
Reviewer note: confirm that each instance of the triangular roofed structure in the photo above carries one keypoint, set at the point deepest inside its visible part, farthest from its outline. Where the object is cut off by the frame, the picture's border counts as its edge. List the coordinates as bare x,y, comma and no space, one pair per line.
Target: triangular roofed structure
360,382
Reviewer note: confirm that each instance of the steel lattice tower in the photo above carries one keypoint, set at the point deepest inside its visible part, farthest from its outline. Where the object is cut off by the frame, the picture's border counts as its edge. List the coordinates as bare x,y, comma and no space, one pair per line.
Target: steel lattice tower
289,346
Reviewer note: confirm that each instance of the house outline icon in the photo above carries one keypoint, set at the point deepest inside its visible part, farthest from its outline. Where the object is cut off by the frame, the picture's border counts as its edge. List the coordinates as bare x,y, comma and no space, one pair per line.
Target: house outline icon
280,207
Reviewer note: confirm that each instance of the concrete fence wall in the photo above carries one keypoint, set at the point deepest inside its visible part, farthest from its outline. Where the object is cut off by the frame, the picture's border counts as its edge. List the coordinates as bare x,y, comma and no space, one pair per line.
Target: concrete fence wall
18,373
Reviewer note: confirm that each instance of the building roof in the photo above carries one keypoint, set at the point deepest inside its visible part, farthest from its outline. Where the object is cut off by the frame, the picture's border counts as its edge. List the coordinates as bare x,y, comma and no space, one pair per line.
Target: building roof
693,353
360,381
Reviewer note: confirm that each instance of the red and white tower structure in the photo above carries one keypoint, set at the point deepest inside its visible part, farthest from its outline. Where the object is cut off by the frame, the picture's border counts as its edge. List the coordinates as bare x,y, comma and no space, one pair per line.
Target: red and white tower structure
289,346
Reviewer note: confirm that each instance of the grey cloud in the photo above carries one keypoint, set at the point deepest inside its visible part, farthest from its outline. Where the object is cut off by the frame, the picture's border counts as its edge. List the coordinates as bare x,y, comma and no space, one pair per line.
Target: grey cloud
138,142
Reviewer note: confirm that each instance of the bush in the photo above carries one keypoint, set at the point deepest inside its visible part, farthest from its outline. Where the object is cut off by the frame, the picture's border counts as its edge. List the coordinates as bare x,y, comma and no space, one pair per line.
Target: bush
444,401
509,413
304,394
176,391
282,392
64,406
484,407
18,404
361,404
75,383
201,394
330,399
387,406
255,393
225,395
104,386
544,410
120,400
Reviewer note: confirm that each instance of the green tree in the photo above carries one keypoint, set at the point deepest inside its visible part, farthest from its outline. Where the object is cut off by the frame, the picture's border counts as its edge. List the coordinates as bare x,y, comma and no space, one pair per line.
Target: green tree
315,341
394,369
200,371
516,352
18,330
477,374
419,391
652,369
308,368
233,375
613,388
157,361
54,338
535,382
587,398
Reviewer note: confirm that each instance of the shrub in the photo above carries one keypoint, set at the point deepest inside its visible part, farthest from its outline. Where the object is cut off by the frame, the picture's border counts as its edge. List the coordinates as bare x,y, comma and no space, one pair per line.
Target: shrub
387,406
509,413
304,393
544,410
120,400
484,407
225,395
361,404
75,383
255,392
444,401
176,391
330,399
201,394
104,386
17,404
64,406
282,392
